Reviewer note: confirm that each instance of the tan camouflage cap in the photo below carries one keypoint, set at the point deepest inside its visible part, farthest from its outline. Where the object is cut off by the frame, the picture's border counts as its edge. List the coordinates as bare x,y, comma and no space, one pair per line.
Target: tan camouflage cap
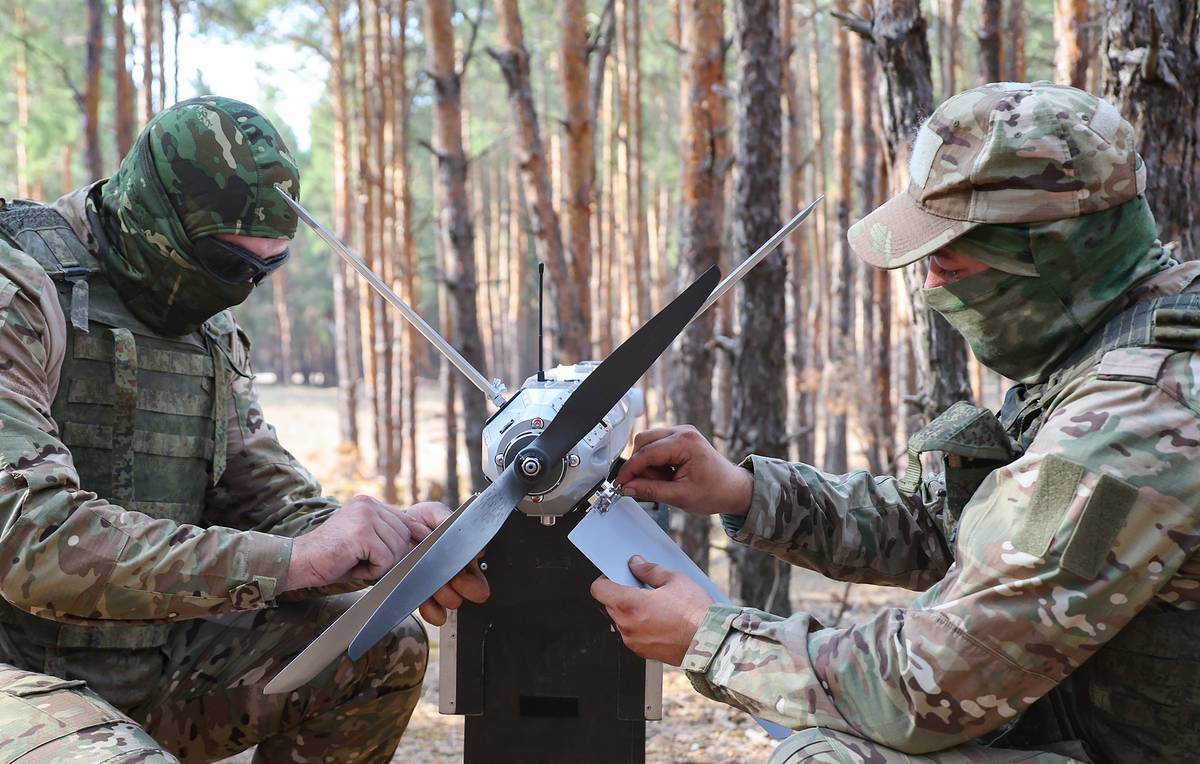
1008,152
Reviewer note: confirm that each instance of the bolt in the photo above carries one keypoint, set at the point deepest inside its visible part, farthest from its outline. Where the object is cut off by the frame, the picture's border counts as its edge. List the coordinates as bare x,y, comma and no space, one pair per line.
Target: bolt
573,460
531,467
500,461
483,566
548,520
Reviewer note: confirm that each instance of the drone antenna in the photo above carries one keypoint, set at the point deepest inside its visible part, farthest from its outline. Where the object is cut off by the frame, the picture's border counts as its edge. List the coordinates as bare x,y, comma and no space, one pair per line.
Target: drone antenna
541,344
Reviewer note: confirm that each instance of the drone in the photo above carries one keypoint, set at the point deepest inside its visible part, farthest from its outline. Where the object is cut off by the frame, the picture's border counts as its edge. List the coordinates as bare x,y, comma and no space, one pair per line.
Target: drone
539,661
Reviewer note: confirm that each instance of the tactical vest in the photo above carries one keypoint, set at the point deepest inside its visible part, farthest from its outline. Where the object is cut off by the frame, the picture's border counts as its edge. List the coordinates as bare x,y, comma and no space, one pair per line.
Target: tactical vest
1138,698
143,415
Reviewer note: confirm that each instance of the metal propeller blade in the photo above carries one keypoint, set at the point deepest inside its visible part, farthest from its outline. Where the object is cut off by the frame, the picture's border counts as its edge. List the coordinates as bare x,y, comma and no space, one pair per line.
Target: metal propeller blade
587,405
333,642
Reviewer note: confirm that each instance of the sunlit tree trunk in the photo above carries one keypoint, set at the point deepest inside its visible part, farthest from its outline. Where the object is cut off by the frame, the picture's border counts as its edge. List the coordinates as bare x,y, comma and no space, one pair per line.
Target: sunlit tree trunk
455,213
513,58
1152,72
579,123
381,106
145,10
283,323
124,85
760,398
21,75
93,68
368,302
701,232
1071,40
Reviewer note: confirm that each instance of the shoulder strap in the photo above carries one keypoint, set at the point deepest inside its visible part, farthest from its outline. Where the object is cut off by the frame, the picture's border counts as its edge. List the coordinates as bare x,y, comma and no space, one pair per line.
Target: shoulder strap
40,232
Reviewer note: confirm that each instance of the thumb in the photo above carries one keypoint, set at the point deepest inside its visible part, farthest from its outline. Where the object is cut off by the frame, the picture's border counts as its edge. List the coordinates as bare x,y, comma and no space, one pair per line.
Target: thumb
650,573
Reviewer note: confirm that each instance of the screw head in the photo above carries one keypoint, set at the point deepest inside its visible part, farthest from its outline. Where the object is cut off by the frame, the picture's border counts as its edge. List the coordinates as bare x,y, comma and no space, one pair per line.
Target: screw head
531,466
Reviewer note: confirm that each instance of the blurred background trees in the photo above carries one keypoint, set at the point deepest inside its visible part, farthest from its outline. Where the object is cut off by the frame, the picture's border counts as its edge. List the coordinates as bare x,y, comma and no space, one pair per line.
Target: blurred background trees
627,146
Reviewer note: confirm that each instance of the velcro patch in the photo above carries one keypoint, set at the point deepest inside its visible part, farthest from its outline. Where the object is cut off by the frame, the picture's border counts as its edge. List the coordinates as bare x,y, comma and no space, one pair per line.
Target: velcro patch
1134,364
1102,519
1052,494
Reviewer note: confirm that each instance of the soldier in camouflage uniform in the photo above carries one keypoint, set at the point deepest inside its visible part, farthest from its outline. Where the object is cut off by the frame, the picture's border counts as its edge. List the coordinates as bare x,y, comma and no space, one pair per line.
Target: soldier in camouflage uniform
161,555
1056,554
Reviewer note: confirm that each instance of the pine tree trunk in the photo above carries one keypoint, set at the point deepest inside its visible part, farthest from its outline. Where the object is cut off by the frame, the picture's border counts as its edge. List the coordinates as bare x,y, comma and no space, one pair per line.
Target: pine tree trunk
991,49
760,399
124,85
145,10
283,323
1152,72
513,59
345,329
1014,60
1071,40
580,177
940,353
840,334
381,179
93,67
702,219
368,303
455,214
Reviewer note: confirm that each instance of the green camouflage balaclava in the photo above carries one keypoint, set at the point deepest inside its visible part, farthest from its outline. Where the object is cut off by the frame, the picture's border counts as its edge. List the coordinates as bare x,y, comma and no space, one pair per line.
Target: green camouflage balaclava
1049,285
202,167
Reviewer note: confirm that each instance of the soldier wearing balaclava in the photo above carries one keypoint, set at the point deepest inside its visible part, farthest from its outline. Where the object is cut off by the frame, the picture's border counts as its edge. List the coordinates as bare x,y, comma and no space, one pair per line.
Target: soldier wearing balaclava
1057,550
149,517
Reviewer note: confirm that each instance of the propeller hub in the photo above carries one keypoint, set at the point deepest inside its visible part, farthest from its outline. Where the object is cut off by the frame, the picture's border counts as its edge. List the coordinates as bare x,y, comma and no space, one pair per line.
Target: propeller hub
531,466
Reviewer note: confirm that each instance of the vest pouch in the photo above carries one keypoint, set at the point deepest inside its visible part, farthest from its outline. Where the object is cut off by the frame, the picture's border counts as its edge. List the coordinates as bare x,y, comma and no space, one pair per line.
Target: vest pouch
973,444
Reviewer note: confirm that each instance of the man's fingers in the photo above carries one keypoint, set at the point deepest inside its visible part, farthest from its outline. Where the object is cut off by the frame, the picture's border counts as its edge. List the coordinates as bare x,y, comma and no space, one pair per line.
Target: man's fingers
471,584
433,613
448,598
611,595
646,437
663,491
650,573
664,452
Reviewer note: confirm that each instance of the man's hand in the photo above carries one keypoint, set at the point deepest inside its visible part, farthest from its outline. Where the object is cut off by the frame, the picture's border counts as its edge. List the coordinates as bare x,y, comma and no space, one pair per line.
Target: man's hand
677,466
657,624
364,538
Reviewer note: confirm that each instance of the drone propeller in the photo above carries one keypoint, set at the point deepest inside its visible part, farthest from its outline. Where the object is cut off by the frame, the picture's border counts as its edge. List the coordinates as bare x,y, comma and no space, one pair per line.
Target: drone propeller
453,544
587,405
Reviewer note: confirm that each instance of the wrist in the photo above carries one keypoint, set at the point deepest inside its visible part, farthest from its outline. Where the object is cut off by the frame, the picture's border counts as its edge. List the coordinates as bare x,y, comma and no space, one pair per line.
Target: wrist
743,493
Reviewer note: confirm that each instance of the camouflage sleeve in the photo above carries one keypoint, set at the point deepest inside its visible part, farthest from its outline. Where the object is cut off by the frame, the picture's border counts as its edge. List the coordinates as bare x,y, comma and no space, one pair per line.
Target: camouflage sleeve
71,556
263,487
853,527
1055,554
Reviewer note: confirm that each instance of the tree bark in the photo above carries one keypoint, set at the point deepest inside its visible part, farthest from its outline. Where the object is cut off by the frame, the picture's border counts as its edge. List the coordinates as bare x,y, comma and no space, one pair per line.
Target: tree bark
21,74
991,49
513,59
898,32
124,85
1071,40
1014,61
760,399
579,124
705,155
93,68
455,213
1152,73
146,94
345,328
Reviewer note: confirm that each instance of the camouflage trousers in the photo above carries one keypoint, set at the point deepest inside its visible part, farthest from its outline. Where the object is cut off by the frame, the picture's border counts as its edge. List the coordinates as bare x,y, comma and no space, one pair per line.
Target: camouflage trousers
207,702
822,746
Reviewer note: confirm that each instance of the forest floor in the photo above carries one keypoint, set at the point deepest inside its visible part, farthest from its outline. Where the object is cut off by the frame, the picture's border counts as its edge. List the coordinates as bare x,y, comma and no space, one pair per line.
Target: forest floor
694,730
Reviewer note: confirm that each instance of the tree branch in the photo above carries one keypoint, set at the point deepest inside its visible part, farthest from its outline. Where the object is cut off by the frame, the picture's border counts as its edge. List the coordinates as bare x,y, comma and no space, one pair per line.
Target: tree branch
864,28
54,62
470,49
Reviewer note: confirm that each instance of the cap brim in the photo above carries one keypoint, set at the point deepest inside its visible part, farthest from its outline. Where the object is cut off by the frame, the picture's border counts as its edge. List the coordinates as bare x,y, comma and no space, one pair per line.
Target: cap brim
900,231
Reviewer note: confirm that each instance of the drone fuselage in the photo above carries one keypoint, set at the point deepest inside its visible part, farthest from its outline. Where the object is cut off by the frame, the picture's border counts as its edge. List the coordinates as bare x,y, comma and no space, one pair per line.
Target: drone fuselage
530,410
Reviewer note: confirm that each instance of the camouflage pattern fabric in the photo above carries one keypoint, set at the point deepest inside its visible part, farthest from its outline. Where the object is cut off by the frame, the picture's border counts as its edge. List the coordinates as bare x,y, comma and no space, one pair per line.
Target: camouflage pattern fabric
202,167
1083,267
207,702
1008,152
1055,553
823,746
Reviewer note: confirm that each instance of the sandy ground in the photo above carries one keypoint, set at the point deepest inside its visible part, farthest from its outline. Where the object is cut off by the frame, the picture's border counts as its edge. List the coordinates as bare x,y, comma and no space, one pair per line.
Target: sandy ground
694,730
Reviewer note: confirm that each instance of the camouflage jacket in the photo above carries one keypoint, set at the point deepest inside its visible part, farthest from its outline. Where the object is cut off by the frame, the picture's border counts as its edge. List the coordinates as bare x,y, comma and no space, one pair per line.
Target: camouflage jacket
1053,555
74,557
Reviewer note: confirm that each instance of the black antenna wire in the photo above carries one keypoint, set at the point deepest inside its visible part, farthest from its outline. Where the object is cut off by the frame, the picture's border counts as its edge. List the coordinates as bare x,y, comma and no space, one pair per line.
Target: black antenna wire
541,344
